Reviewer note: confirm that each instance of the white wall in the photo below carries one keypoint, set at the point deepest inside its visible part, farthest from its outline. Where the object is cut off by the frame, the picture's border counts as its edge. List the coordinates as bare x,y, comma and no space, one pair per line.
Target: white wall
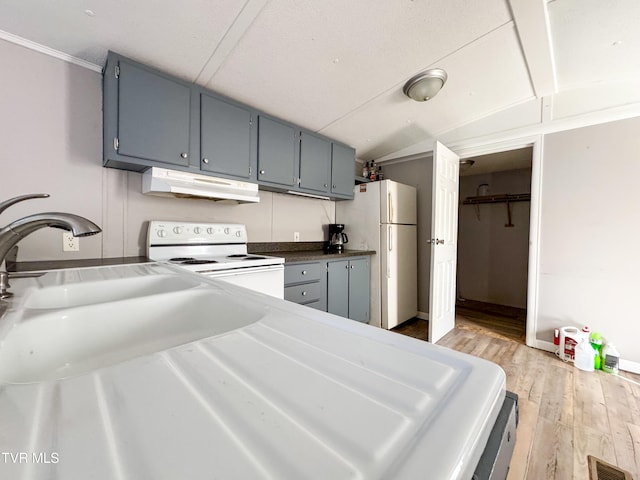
51,124
590,232
492,258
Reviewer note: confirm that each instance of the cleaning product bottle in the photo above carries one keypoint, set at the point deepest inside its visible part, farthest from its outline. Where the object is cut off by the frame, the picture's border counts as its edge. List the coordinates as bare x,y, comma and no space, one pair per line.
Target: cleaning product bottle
610,359
596,343
584,353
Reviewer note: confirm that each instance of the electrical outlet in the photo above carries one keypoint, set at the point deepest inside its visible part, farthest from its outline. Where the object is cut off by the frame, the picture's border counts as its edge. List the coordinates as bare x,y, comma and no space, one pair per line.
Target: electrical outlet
296,236
69,242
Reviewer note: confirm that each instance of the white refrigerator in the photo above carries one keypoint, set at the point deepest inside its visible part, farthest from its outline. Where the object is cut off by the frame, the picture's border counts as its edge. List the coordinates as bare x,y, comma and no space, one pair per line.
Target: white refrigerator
382,217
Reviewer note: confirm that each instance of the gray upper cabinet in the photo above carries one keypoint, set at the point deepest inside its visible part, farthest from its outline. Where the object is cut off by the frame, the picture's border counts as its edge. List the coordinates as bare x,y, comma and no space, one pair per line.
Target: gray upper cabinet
342,170
153,119
315,163
226,138
277,153
148,118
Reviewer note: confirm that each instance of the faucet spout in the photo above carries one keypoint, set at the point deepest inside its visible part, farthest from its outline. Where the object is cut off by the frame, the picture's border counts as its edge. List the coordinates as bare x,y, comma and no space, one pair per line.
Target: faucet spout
17,230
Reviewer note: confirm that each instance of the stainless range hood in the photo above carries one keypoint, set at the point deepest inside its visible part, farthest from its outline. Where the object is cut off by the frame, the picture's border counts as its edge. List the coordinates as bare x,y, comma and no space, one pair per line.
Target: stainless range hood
173,183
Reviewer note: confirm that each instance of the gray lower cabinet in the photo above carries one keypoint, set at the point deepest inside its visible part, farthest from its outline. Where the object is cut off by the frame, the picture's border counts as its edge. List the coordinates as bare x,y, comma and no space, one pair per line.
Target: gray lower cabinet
226,137
340,287
147,117
348,288
305,283
277,155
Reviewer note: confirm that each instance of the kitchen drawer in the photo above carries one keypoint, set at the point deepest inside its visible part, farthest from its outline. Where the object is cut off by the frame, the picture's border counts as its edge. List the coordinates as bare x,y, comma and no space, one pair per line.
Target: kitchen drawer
306,293
303,272
318,305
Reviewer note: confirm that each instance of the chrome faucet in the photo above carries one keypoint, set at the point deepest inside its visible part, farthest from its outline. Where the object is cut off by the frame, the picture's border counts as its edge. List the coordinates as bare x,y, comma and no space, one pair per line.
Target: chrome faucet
17,230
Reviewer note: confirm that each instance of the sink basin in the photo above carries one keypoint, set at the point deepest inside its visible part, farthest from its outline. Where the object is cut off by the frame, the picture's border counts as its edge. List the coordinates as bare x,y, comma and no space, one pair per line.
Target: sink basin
73,341
88,293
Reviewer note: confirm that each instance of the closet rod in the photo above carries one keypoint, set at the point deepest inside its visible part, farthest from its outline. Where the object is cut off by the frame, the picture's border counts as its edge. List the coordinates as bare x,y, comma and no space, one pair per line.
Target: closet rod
516,197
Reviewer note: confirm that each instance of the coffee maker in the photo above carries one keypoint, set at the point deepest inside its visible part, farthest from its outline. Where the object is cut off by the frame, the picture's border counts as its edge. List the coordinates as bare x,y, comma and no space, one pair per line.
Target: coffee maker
337,238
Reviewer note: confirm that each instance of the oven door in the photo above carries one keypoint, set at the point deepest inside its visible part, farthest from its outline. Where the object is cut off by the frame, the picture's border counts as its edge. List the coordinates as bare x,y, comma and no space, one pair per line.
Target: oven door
268,280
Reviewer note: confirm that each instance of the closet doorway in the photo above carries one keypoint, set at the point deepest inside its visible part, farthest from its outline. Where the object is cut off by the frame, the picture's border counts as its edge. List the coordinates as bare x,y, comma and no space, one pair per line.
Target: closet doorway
493,242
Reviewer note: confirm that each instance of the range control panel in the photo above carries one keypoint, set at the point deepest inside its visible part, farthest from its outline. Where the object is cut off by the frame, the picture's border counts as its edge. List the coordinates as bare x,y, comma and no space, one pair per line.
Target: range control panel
189,233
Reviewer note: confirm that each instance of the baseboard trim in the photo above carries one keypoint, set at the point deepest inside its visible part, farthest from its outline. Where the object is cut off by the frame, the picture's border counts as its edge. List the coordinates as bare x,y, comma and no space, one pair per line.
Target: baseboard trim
422,315
626,365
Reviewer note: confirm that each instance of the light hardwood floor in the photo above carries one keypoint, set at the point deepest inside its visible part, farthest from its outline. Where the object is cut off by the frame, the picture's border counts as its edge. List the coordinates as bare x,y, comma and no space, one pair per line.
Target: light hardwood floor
565,413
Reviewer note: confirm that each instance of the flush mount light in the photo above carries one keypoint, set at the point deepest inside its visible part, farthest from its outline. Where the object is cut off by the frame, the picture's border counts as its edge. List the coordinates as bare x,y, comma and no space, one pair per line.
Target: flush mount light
425,85
466,164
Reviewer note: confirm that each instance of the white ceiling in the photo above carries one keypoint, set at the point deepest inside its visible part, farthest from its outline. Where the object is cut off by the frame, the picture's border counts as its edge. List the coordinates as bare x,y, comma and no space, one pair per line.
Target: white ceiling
338,67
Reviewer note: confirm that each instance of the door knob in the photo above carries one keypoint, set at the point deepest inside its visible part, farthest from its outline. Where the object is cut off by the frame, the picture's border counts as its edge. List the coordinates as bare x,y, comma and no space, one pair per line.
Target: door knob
440,241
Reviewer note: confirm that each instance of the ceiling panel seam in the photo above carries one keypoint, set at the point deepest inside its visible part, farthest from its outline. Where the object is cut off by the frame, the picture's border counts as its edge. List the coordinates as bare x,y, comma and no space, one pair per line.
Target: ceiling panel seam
398,86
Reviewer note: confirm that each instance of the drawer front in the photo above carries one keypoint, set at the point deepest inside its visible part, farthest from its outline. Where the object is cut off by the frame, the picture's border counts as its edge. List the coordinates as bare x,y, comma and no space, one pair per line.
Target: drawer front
307,293
318,305
302,272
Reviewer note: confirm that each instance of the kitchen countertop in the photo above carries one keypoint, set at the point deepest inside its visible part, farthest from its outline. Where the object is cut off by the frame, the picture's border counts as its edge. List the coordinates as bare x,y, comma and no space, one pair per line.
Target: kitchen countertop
303,251
280,391
35,266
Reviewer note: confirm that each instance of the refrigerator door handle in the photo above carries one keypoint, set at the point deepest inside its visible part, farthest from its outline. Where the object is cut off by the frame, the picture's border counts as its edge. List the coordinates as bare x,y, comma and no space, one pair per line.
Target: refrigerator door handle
390,239
390,207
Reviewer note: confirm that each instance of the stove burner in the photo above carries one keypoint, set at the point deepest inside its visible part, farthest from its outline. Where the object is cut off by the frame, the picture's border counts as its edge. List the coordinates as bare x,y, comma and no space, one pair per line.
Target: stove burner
237,255
180,259
195,261
253,257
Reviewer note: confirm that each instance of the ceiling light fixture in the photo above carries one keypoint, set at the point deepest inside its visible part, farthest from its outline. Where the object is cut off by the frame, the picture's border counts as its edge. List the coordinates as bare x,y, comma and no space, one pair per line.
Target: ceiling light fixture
466,164
425,85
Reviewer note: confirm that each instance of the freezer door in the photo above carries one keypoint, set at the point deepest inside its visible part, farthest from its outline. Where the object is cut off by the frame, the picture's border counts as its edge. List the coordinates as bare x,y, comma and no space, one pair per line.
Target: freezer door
399,274
398,203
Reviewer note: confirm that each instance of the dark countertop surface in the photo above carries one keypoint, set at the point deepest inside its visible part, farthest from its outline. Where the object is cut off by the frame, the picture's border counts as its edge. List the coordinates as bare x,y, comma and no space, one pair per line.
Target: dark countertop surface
313,255
303,251
79,263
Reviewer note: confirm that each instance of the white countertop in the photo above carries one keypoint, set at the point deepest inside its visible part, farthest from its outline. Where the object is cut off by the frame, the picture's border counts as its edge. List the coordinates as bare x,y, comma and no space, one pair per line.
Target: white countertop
298,394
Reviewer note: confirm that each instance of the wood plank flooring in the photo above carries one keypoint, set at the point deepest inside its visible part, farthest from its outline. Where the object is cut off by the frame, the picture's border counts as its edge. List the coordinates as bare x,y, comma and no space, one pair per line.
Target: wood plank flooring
565,413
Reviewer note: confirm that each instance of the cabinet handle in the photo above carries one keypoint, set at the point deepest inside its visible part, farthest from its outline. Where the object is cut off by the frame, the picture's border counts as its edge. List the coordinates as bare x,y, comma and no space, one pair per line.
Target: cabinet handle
351,267
261,172
205,160
304,294
183,155
304,272
333,186
326,185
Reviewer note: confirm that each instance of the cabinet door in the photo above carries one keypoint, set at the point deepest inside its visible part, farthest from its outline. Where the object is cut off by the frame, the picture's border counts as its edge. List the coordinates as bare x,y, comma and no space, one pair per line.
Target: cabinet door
342,170
276,152
225,137
315,163
338,288
153,116
359,290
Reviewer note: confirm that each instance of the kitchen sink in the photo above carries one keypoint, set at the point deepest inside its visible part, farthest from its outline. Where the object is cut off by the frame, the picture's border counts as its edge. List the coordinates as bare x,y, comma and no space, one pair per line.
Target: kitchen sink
88,293
71,341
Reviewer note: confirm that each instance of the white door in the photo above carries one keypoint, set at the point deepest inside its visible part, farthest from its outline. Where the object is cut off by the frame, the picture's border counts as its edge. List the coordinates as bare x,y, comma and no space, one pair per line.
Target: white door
399,272
444,239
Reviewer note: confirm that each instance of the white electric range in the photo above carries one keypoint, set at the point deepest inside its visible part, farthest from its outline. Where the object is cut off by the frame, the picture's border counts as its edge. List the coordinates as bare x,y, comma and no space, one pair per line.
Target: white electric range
217,250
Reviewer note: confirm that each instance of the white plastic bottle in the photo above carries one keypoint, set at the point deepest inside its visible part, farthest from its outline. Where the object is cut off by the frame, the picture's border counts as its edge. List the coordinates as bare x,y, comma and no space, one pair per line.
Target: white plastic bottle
584,356
610,359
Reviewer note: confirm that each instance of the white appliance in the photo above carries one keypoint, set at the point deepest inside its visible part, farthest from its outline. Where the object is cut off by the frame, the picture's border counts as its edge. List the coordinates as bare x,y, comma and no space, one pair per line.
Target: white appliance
217,250
382,217
172,183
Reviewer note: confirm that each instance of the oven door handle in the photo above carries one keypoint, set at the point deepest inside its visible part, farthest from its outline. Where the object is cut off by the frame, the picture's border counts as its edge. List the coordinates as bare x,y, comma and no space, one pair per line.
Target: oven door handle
240,271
